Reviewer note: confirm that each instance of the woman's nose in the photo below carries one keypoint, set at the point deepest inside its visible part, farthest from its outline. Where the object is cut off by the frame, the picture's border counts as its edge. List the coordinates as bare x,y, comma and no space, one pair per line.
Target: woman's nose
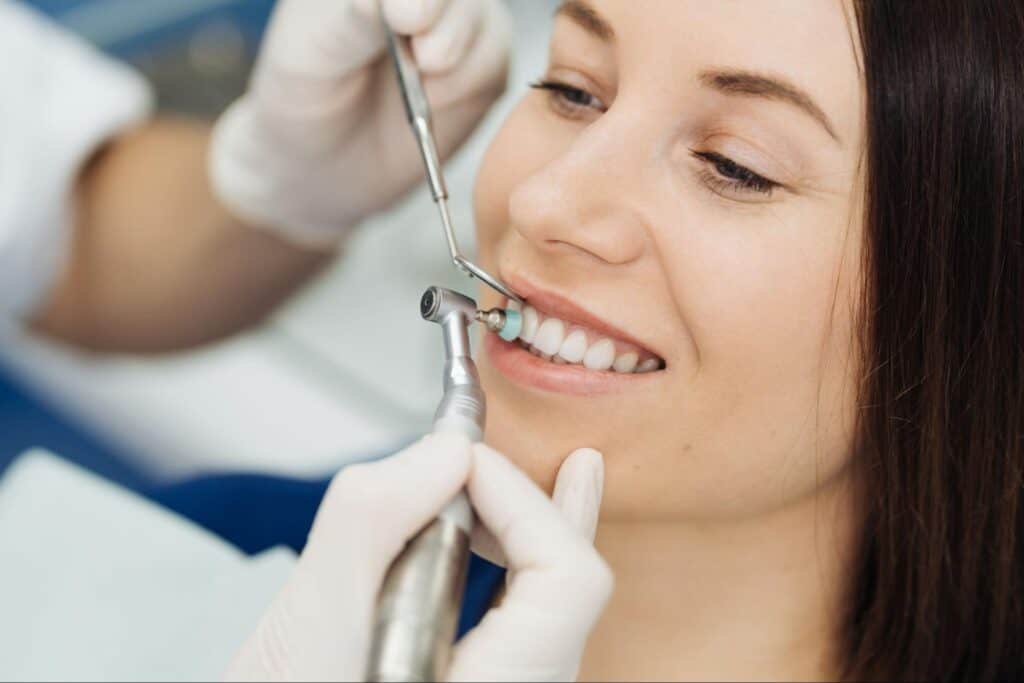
581,202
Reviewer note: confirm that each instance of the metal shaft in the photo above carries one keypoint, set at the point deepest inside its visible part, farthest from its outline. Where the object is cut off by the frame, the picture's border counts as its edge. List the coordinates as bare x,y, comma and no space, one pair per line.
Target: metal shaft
417,110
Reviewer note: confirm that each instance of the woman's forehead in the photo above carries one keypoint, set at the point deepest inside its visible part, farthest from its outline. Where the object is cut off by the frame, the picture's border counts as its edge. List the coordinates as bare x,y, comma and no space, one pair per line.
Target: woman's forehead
809,46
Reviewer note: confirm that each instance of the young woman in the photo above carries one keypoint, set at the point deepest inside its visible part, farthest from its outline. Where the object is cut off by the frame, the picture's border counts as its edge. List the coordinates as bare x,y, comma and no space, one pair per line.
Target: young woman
809,218
774,260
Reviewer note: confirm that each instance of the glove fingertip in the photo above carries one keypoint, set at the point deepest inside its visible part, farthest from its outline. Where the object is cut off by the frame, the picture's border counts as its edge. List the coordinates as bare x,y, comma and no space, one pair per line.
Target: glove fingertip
410,17
579,487
443,46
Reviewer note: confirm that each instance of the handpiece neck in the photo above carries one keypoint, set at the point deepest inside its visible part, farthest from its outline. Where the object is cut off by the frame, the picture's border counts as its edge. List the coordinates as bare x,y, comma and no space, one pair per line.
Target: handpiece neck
456,336
463,406
460,368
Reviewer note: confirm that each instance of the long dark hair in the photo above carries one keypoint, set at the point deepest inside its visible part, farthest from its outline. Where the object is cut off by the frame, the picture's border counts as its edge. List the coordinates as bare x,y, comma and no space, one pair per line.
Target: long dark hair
938,589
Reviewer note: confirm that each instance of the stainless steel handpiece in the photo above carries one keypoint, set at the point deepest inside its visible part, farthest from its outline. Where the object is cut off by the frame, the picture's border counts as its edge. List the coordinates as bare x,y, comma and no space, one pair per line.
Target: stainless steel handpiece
421,597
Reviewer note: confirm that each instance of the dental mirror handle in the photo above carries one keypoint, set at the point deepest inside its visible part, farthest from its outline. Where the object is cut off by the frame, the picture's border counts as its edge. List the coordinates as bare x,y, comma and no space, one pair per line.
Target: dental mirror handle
417,109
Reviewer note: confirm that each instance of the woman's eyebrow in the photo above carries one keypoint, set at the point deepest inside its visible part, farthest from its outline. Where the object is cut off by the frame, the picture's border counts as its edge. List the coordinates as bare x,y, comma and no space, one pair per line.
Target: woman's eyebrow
727,81
736,82
588,18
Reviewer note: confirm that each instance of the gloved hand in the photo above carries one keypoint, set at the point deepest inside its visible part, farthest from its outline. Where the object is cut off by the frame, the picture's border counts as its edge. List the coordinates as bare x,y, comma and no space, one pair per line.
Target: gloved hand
320,140
319,626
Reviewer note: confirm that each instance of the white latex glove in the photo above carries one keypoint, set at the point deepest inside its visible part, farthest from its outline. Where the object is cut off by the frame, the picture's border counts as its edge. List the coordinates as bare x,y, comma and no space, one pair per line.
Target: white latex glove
320,140
319,626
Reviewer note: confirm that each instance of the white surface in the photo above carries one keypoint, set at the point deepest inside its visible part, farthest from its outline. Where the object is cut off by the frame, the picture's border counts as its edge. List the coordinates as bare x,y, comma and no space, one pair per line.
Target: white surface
101,585
241,405
345,371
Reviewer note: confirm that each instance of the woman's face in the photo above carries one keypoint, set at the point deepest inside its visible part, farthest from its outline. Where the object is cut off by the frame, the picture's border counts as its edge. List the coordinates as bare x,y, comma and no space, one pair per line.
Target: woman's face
685,185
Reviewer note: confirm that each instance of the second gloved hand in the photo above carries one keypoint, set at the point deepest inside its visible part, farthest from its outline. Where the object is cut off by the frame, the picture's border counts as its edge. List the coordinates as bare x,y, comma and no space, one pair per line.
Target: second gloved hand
320,140
319,626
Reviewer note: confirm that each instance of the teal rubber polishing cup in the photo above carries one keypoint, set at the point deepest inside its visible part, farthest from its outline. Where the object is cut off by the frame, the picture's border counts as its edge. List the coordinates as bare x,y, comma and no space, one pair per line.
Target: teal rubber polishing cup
513,325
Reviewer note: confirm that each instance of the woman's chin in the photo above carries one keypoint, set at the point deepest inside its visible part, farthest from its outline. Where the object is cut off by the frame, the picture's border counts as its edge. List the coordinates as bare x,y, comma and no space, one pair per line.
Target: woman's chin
536,452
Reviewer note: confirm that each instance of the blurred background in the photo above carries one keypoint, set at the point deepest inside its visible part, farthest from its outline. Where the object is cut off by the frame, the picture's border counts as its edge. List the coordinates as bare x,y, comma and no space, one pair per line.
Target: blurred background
346,371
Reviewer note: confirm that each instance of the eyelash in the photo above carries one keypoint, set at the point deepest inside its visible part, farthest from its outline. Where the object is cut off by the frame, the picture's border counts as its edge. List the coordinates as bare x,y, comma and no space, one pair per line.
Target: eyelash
728,175
731,176
566,96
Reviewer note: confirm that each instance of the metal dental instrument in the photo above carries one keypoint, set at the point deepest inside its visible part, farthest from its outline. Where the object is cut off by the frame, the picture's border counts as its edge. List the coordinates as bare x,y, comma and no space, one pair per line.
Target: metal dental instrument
507,323
420,600
417,110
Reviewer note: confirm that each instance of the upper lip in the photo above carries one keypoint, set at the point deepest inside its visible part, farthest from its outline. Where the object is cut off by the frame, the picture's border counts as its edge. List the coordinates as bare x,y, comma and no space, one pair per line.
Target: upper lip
565,309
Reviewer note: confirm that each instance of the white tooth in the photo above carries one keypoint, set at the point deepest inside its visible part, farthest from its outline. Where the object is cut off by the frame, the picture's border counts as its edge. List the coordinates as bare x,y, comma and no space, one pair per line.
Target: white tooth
626,362
558,360
649,365
531,321
514,305
600,356
550,336
574,347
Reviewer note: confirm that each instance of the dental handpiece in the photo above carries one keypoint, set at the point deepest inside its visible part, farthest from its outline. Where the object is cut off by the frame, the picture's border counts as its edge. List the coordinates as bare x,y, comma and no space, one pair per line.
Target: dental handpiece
421,598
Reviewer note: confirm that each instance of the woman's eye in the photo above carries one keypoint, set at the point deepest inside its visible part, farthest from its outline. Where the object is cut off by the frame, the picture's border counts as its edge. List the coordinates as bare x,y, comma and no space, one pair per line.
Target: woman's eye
568,100
728,176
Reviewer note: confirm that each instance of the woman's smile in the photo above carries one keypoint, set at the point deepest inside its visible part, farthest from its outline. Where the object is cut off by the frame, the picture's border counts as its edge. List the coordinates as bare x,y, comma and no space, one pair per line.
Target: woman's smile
565,348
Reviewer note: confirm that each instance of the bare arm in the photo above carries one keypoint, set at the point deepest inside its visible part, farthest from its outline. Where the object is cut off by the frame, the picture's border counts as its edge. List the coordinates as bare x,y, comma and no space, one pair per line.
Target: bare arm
157,264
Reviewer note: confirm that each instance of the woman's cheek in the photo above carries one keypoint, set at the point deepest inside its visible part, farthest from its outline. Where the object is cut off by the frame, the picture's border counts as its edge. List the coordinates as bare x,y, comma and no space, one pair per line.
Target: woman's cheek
494,183
524,145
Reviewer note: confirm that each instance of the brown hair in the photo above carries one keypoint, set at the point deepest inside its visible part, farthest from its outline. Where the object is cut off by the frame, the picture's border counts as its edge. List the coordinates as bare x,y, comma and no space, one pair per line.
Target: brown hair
938,589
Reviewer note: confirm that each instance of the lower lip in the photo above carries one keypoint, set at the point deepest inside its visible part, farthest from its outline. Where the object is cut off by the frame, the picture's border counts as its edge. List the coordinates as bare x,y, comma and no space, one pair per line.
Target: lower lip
522,367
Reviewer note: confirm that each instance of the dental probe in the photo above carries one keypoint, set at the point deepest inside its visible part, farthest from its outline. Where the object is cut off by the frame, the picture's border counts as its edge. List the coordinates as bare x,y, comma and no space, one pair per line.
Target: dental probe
420,600
417,110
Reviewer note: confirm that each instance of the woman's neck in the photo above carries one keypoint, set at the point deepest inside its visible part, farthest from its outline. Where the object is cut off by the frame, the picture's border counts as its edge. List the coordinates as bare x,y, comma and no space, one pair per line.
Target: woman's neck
752,599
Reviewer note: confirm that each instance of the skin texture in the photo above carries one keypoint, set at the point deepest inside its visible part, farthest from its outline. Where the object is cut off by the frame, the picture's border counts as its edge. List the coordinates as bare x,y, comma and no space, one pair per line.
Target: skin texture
208,276
725,497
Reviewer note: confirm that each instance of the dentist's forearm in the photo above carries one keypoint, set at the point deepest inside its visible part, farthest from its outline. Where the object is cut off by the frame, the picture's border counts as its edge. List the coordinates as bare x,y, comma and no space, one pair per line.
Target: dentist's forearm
157,264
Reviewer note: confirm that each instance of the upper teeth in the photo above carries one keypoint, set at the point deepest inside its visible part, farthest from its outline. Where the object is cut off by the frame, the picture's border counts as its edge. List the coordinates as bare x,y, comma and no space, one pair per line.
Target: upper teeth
552,338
